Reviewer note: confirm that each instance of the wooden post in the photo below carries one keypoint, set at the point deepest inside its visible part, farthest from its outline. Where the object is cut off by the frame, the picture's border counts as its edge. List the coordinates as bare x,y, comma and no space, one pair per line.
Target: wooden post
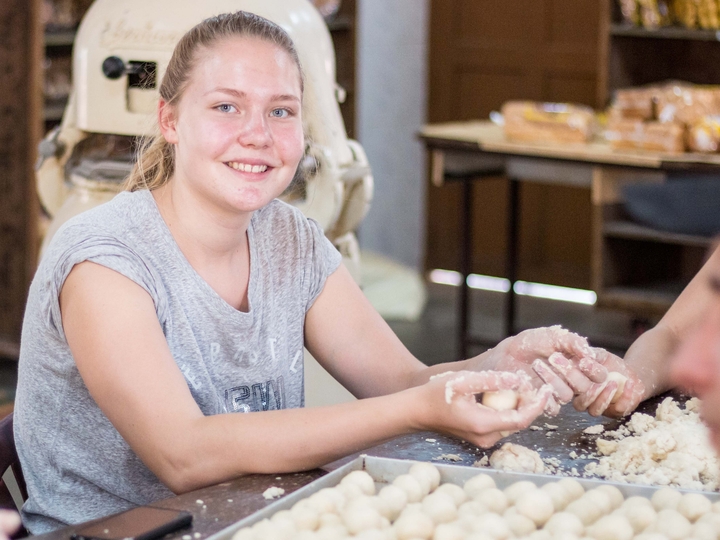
21,52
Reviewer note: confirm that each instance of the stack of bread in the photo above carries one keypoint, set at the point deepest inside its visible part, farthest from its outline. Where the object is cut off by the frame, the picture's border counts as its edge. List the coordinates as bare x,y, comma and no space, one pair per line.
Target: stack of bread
672,117
653,14
529,121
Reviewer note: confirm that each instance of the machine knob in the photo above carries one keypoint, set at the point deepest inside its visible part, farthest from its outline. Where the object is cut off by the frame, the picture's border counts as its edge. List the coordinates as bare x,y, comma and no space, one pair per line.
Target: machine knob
113,67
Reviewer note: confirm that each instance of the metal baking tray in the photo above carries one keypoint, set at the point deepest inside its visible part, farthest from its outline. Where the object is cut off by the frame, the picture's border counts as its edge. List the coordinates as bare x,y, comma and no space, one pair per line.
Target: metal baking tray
385,470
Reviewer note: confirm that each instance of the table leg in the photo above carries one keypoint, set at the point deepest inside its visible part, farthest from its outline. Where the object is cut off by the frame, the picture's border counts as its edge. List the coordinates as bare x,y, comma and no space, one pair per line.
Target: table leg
511,253
465,266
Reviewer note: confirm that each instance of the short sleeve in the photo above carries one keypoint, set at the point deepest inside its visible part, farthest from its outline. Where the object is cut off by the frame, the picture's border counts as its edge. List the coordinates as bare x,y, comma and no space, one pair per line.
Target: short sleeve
324,260
106,251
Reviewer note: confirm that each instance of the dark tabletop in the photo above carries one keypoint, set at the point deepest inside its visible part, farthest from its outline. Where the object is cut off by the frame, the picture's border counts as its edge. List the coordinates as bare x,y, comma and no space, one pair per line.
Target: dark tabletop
559,440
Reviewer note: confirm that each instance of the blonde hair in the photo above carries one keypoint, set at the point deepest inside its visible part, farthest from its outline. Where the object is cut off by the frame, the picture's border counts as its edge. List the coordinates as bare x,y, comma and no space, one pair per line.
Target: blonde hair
155,158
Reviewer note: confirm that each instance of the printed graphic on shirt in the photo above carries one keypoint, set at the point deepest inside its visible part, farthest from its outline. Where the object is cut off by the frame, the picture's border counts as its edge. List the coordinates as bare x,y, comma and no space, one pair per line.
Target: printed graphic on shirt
256,397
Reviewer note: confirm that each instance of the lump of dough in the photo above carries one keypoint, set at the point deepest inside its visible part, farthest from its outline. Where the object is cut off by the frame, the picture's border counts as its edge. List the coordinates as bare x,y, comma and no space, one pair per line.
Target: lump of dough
413,524
561,522
519,524
305,517
361,515
449,531
474,508
428,471
362,480
585,510
613,527
599,499
331,532
535,504
572,487
478,483
516,489
494,499
702,530
640,516
440,507
456,492
559,496
500,400
672,524
666,498
515,457
410,485
620,379
694,505
491,524
615,496
395,500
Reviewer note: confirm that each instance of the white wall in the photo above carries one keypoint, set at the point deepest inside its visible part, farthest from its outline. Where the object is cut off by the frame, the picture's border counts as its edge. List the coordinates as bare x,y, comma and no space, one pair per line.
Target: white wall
391,105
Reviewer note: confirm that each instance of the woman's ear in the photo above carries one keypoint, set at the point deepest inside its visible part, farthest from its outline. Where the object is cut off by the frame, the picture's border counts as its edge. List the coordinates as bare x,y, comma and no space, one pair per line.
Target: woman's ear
167,120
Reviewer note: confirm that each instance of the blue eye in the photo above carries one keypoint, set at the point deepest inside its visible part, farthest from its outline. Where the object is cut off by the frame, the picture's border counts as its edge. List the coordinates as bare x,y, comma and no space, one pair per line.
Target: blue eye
280,113
225,107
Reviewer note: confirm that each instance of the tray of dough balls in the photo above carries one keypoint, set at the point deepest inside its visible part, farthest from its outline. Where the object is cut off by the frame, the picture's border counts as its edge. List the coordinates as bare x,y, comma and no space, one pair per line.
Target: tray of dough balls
374,498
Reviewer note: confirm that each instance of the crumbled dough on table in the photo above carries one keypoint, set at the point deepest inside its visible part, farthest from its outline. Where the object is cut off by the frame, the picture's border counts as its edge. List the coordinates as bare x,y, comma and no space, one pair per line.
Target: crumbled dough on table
447,457
594,430
515,457
670,449
273,492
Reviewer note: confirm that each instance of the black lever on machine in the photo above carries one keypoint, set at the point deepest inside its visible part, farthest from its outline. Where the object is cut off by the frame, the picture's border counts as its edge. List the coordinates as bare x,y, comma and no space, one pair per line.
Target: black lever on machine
114,67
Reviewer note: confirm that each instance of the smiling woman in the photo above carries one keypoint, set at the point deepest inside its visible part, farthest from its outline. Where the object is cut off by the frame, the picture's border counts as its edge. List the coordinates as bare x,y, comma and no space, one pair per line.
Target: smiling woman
191,295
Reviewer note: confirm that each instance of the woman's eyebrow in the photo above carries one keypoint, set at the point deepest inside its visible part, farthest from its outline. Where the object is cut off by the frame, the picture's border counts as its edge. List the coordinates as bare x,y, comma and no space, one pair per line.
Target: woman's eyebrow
231,91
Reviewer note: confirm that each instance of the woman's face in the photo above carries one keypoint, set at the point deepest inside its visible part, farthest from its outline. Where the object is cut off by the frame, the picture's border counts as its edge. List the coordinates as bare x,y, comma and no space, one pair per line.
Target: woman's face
237,128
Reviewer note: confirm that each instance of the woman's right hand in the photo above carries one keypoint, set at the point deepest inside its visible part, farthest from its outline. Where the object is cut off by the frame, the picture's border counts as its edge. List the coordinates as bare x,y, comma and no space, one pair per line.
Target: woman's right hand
449,405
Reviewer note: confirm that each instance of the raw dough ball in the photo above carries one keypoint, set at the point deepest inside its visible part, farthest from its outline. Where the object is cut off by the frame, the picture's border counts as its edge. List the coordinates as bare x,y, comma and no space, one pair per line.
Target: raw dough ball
412,525
245,533
666,498
328,519
322,503
585,510
615,496
449,531
456,492
502,400
305,535
716,507
713,518
349,491
395,499
494,499
474,508
559,496
572,487
305,517
478,536
564,522
478,483
332,532
360,515
281,515
440,507
694,505
362,480
540,535
515,457
410,485
651,536
640,516
492,525
599,499
620,379
636,501
704,531
426,471
614,527
519,525
515,490
535,504
672,524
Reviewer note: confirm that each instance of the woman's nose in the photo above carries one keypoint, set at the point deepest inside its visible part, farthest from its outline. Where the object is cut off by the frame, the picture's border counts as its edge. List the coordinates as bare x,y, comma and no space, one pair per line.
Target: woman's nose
255,131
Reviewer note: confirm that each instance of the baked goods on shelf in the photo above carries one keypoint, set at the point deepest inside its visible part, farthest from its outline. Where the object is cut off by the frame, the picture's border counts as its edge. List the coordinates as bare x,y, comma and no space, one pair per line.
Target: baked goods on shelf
529,121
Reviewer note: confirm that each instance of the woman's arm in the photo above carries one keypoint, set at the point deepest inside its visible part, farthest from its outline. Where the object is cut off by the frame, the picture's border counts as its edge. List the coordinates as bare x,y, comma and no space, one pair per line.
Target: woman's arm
123,357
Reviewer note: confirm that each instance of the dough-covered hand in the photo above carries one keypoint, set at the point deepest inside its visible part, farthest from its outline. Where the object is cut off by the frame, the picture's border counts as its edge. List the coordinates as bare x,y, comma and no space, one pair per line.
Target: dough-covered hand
452,406
553,356
607,397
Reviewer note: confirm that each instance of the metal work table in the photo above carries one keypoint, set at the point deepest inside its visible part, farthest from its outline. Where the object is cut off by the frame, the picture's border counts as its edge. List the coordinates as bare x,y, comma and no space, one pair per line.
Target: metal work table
469,151
217,507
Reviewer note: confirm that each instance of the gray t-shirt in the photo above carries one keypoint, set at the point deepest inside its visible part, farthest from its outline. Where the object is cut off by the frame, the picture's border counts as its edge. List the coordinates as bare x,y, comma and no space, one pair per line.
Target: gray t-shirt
76,465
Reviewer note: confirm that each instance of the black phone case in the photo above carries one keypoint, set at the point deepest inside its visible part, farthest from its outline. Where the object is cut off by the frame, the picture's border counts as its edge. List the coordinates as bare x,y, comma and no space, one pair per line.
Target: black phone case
182,520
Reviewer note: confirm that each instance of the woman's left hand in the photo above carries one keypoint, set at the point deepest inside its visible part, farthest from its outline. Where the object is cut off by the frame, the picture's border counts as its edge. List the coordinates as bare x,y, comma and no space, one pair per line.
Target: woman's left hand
551,355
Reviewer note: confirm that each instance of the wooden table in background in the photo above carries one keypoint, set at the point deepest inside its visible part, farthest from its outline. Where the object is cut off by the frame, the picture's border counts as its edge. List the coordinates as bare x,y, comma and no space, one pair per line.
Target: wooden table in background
469,151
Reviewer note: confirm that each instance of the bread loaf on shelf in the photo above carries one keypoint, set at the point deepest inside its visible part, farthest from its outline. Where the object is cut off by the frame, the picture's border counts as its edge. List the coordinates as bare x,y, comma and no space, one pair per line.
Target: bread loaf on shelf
629,134
529,121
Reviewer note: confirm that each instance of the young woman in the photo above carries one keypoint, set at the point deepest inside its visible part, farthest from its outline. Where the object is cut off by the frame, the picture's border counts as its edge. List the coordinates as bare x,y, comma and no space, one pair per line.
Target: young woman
191,296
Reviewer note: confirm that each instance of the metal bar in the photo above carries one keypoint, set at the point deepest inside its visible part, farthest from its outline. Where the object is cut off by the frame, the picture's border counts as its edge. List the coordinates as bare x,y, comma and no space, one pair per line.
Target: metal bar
465,265
511,253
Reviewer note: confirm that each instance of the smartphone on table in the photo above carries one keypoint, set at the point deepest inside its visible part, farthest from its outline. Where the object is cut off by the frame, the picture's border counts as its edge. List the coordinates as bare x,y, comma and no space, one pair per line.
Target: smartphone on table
141,523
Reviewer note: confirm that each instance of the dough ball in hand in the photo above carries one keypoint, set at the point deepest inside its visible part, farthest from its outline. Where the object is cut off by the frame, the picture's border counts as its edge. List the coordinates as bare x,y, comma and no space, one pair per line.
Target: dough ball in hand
500,400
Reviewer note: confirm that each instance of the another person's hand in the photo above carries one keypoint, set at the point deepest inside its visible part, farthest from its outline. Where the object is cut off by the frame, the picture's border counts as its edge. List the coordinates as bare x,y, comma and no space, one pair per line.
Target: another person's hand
597,399
449,405
9,523
551,355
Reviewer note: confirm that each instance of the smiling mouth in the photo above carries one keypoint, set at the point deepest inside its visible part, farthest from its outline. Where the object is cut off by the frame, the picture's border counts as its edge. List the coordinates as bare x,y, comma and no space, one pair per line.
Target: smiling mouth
246,167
